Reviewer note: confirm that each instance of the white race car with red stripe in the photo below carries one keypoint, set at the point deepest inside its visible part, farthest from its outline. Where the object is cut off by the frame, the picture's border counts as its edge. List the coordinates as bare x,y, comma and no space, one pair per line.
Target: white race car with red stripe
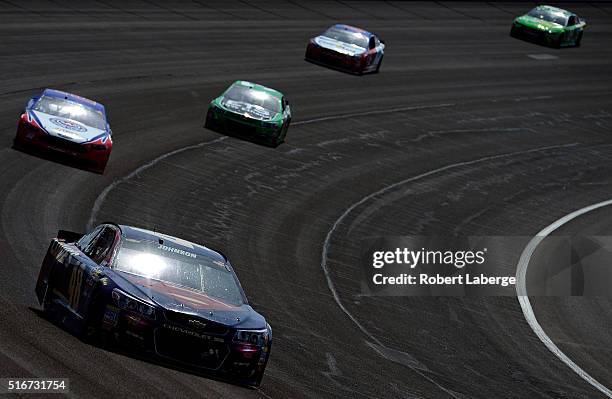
67,124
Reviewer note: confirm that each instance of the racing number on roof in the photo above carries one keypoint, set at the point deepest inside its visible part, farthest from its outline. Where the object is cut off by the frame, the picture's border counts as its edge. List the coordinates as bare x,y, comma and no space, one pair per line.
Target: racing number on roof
74,287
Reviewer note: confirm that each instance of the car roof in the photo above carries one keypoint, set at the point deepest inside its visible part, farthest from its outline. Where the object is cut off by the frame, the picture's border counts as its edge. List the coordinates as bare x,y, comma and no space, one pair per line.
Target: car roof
351,28
74,98
136,233
555,9
258,87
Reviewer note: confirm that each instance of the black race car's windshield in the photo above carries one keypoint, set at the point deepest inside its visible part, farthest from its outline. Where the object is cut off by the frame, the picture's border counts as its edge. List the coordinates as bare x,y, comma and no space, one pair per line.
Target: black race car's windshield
247,95
181,268
548,15
71,110
345,36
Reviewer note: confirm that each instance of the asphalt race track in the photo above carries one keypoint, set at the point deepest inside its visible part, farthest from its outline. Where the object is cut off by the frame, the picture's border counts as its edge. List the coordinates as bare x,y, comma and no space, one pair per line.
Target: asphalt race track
464,131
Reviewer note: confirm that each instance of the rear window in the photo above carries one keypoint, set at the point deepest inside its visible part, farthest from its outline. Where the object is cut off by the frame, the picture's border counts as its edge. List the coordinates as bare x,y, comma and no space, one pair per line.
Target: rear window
245,94
179,267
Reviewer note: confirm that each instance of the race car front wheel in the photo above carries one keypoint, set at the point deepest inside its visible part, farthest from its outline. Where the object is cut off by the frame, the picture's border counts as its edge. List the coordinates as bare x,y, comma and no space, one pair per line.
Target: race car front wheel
275,140
514,31
379,63
209,122
555,41
92,331
18,144
99,168
579,39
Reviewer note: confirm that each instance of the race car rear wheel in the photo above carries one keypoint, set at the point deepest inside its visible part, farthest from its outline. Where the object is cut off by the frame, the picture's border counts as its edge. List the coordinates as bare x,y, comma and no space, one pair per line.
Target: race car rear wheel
209,123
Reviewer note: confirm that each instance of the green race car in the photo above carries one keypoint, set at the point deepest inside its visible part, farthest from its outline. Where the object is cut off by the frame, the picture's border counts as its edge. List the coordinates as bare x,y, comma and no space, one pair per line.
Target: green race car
250,109
551,25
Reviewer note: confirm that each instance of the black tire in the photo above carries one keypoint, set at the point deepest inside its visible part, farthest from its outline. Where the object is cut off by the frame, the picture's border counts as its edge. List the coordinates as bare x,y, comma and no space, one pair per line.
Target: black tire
556,43
286,130
208,123
92,329
273,141
98,171
514,31
579,39
18,145
379,64
47,307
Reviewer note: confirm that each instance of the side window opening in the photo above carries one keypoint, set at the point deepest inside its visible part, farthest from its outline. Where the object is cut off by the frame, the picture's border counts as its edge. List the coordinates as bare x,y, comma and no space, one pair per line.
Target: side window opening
87,238
372,43
99,248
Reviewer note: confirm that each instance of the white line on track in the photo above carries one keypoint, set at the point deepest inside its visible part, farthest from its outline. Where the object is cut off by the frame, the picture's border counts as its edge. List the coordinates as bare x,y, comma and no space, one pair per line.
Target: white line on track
102,196
327,242
521,290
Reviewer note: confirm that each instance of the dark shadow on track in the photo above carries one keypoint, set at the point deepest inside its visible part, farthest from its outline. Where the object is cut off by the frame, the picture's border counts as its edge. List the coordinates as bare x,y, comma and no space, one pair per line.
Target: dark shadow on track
55,156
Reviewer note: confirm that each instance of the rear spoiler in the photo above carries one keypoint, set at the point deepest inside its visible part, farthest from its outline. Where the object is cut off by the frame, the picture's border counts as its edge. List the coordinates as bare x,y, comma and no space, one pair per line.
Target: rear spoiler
68,236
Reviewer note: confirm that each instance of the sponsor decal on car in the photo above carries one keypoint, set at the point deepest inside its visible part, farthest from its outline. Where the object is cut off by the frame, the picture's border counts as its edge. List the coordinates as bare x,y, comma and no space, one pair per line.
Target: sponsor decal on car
249,110
111,316
197,324
66,124
192,333
176,251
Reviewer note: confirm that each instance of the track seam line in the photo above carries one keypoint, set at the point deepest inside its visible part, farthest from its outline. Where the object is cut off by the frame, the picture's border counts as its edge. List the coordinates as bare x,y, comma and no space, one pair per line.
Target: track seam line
523,298
327,241
102,196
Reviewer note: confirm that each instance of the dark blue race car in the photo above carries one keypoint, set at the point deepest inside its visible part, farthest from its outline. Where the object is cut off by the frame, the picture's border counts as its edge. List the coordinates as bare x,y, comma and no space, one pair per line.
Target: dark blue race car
176,300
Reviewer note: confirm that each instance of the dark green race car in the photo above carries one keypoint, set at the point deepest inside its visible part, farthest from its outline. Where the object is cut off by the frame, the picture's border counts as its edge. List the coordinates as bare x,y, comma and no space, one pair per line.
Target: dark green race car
550,25
251,110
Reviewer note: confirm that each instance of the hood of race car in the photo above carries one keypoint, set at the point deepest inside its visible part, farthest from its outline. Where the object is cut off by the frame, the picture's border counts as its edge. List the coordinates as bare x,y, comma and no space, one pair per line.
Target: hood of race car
537,23
338,46
189,301
68,129
250,110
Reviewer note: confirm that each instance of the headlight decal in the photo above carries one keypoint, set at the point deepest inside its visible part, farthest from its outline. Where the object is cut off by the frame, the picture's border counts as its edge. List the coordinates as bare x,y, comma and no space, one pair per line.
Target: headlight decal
127,302
252,337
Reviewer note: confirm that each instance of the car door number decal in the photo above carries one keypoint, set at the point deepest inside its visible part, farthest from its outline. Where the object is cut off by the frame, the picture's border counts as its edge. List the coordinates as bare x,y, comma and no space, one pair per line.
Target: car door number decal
74,287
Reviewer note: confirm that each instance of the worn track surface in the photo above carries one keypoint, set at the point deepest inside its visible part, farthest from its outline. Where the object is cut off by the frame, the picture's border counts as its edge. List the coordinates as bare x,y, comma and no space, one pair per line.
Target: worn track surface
454,92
